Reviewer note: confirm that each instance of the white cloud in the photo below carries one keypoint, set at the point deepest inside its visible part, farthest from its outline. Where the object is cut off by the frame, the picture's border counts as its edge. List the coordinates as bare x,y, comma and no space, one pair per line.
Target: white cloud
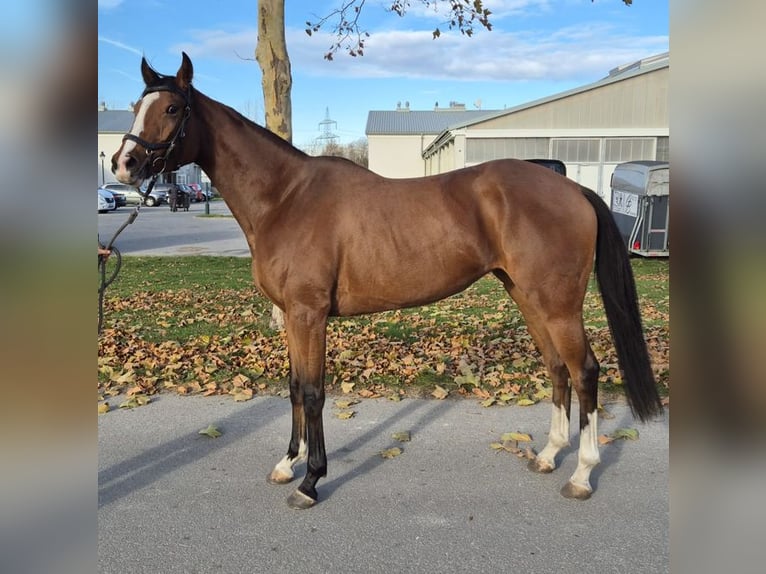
221,44
569,53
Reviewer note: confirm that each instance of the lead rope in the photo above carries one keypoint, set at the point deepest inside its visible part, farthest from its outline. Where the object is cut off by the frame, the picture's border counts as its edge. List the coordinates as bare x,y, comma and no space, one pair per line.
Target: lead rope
114,252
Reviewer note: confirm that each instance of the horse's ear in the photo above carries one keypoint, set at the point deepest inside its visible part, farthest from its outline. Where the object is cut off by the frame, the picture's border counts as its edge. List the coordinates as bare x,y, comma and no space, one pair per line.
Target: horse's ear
185,72
150,76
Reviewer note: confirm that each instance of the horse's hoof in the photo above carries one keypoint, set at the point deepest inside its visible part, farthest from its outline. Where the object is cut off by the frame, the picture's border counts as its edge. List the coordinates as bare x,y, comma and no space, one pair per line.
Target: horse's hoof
540,466
277,477
300,501
578,492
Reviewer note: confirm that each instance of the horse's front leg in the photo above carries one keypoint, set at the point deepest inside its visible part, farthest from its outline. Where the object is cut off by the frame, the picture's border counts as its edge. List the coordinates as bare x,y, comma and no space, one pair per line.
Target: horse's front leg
306,330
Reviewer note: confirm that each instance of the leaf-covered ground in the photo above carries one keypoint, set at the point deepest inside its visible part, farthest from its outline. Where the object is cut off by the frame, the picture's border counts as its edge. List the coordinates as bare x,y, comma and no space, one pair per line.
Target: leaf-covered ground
197,326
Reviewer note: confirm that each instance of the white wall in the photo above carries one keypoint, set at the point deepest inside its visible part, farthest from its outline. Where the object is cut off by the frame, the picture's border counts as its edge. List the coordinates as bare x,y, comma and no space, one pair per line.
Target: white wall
397,156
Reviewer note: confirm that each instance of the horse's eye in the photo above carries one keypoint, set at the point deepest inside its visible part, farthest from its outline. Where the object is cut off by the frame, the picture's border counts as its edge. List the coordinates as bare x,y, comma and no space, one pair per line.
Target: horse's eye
172,109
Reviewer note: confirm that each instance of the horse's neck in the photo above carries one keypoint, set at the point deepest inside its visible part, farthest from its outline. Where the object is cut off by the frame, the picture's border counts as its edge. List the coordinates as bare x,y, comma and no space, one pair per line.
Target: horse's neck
248,165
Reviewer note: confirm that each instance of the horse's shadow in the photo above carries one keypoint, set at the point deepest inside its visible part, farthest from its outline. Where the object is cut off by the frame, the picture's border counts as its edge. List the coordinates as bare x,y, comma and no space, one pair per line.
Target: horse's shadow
609,456
127,476
435,410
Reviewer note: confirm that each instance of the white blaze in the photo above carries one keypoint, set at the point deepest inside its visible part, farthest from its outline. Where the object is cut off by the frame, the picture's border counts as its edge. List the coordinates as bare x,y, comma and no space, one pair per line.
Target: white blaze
122,173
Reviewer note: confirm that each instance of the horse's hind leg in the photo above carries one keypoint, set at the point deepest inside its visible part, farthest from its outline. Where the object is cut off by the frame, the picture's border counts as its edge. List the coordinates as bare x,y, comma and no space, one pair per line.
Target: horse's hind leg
558,437
560,336
568,336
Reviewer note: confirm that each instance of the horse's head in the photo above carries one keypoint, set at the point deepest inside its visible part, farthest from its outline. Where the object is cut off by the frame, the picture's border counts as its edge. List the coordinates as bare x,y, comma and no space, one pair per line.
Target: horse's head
159,139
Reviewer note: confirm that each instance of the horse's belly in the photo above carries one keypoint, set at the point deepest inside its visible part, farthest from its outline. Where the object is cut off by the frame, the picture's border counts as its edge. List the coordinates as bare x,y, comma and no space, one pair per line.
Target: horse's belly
408,286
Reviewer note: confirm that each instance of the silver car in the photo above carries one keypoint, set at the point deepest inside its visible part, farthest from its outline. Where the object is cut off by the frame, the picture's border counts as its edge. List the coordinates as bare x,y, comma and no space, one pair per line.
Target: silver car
158,196
105,201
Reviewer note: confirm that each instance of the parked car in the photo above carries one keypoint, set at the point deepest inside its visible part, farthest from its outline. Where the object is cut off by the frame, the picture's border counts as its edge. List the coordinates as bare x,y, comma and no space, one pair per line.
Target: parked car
105,201
199,194
553,164
158,196
120,199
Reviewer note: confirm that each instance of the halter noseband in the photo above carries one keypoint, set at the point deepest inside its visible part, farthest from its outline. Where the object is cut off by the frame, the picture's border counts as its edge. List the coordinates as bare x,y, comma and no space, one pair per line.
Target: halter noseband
161,162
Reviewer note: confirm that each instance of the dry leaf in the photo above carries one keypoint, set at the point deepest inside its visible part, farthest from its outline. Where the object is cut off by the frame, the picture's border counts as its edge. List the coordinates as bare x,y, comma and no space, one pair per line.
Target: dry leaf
516,437
347,387
391,452
402,436
135,401
440,392
242,395
628,434
240,380
345,403
525,402
344,415
103,408
211,431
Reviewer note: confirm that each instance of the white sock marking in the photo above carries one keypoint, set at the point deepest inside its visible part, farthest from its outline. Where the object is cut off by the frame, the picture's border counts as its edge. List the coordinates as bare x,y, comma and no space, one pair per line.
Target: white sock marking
588,456
285,466
558,437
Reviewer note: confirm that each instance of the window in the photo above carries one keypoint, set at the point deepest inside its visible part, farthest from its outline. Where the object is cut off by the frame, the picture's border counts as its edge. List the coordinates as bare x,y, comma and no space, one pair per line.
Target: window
663,149
620,150
577,150
485,149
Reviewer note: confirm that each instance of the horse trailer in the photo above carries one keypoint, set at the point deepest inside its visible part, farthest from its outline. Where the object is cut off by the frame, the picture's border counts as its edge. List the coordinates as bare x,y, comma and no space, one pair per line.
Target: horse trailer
641,206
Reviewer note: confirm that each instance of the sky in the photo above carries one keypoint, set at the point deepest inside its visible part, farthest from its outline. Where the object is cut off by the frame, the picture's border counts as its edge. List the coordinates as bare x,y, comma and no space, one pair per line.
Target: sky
536,48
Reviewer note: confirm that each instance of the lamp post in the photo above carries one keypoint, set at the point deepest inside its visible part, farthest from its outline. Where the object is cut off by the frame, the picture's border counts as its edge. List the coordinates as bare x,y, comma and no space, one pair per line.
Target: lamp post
102,155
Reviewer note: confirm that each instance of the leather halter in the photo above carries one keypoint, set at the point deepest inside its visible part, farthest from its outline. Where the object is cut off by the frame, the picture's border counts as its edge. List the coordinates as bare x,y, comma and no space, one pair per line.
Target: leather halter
159,164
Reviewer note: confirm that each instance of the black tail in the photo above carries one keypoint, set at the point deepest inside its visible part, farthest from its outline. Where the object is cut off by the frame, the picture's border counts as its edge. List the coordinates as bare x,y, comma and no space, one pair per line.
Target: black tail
618,291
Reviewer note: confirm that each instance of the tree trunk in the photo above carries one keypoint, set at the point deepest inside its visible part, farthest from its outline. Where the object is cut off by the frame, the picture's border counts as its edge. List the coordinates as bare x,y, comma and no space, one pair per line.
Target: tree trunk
277,82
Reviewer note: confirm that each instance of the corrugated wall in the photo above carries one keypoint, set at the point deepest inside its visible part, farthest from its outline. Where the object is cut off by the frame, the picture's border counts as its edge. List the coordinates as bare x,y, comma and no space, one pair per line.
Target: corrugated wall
637,102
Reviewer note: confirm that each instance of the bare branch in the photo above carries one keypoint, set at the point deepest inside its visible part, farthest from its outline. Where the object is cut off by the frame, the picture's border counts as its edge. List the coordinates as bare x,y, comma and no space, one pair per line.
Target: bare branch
462,15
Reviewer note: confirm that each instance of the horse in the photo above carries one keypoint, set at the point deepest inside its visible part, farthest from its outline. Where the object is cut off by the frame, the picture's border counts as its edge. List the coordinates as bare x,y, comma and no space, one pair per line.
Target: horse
329,238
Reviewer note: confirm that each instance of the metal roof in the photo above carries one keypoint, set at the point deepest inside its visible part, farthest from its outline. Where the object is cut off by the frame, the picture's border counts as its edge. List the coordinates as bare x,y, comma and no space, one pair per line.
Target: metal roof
114,121
412,122
618,74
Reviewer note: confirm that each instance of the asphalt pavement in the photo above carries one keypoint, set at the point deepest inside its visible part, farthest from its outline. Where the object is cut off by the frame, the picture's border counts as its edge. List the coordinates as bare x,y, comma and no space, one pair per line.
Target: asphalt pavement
172,500
159,231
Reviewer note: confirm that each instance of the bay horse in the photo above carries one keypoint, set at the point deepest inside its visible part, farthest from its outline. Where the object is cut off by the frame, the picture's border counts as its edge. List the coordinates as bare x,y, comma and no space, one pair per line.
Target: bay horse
330,238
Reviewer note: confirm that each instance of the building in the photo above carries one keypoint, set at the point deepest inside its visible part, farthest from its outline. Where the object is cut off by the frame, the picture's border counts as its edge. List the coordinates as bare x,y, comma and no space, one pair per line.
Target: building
112,125
622,117
396,138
